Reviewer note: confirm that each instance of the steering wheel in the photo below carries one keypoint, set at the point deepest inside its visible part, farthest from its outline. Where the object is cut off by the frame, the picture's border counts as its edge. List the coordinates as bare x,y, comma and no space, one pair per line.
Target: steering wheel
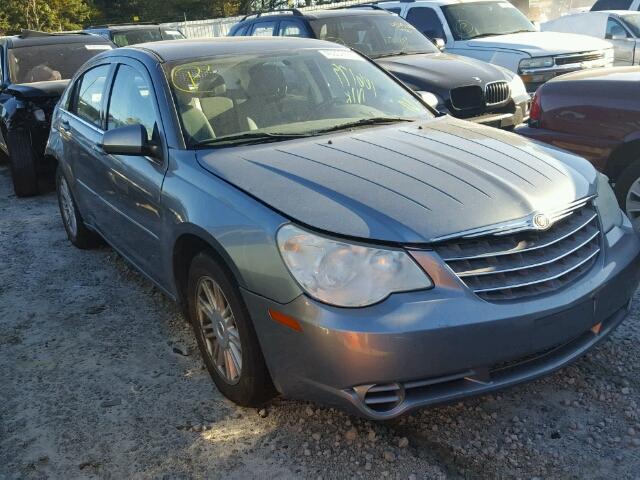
465,28
335,40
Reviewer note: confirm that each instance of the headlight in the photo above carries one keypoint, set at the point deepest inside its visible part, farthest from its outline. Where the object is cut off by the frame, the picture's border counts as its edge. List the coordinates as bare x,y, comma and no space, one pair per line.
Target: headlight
431,99
345,274
607,205
539,62
517,87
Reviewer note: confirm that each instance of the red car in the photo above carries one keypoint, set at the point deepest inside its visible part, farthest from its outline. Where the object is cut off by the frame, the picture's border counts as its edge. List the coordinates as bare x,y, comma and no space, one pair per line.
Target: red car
595,114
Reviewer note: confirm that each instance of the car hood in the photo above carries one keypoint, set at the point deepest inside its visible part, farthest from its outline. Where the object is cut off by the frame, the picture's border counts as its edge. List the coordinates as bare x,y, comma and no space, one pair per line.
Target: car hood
39,89
440,72
405,183
539,44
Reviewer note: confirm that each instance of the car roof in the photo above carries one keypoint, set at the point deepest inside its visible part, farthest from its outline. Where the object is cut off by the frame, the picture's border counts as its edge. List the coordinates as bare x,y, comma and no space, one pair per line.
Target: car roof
440,2
172,50
35,39
124,26
314,14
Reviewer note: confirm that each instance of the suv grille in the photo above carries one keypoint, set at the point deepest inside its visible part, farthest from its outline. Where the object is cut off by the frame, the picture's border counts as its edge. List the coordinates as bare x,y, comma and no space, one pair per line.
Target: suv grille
527,263
467,98
583,57
497,93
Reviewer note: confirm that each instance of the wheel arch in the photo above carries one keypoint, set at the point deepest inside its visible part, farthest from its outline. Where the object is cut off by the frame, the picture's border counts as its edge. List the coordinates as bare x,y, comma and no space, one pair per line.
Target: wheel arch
189,243
621,158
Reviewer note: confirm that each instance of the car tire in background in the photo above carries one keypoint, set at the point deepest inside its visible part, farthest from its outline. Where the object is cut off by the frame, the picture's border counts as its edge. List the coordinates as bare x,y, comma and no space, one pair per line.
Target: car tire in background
22,163
627,190
225,334
77,231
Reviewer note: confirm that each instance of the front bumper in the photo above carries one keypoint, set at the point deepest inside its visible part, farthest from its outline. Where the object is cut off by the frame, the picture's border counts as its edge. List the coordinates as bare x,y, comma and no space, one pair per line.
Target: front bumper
422,348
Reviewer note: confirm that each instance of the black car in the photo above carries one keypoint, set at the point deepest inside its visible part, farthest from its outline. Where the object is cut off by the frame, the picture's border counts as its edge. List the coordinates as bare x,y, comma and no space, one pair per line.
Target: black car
463,87
131,34
35,68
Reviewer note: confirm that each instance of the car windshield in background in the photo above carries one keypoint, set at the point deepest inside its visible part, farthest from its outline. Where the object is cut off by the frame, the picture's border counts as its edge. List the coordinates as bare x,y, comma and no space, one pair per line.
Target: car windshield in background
45,63
373,35
632,21
266,97
485,19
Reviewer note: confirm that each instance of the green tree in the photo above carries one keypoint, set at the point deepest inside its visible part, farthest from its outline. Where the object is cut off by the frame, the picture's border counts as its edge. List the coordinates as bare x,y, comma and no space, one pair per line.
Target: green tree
45,15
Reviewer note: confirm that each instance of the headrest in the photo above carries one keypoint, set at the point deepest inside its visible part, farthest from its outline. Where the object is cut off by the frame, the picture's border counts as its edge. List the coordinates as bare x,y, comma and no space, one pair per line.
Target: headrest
211,86
266,80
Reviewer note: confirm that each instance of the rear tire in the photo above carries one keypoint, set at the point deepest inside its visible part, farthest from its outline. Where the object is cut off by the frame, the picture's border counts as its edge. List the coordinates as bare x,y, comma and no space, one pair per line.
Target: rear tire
236,365
627,190
22,162
77,232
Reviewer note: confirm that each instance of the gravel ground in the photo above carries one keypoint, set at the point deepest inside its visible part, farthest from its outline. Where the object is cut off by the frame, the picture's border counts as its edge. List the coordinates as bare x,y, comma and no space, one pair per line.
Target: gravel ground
100,378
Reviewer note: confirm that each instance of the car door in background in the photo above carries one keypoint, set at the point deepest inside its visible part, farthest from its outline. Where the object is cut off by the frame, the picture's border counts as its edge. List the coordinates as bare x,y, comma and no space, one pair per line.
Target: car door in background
293,28
623,42
427,22
131,185
82,131
267,28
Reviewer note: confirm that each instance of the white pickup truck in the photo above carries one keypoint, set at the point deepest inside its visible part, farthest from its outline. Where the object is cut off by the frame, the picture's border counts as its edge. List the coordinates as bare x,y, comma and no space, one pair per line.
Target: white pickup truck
497,32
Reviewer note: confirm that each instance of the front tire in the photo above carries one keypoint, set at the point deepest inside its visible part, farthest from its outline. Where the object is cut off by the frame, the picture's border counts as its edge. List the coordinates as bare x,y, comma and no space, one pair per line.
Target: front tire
77,232
627,190
22,162
225,334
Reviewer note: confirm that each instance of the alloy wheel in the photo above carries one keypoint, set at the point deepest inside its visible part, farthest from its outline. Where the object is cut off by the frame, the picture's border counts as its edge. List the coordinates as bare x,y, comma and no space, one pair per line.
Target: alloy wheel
632,203
68,208
219,330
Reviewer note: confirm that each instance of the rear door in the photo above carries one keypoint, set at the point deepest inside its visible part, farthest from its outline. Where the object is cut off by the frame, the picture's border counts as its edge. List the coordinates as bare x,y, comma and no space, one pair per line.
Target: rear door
82,131
130,185
624,44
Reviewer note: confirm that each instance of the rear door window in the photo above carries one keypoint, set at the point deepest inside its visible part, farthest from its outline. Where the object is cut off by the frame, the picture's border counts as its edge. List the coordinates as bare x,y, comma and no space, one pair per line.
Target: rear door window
90,90
612,5
291,28
426,21
264,29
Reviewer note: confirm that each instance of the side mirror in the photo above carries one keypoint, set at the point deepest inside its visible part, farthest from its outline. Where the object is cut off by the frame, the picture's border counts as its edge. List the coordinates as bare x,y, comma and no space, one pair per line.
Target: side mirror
429,98
129,140
440,43
619,37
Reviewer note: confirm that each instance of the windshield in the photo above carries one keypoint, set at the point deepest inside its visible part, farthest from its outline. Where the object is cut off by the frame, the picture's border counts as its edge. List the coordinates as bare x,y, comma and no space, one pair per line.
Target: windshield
484,19
373,35
632,21
45,63
297,93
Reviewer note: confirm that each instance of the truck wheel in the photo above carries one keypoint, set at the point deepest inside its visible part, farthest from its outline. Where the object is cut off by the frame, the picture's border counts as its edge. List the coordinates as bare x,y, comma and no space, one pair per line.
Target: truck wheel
627,191
77,231
22,163
225,334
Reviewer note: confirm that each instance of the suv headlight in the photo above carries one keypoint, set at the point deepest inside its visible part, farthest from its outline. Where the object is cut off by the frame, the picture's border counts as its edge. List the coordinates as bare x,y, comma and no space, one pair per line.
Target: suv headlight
517,87
536,62
346,274
607,205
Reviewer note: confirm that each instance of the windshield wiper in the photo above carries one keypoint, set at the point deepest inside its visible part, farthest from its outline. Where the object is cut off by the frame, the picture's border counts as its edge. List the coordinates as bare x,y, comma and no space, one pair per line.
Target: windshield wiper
364,122
250,137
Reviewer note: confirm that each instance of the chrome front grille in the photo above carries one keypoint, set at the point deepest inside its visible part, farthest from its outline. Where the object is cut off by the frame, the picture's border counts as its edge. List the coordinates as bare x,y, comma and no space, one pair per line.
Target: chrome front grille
496,93
526,263
583,57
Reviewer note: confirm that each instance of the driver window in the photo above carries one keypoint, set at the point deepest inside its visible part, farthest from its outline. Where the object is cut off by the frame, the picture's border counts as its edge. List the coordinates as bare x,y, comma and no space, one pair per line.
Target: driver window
614,29
426,22
132,102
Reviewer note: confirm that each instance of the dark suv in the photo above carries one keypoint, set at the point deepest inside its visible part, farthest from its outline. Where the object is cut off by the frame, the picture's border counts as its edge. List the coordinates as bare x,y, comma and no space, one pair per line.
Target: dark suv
131,34
463,87
35,68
